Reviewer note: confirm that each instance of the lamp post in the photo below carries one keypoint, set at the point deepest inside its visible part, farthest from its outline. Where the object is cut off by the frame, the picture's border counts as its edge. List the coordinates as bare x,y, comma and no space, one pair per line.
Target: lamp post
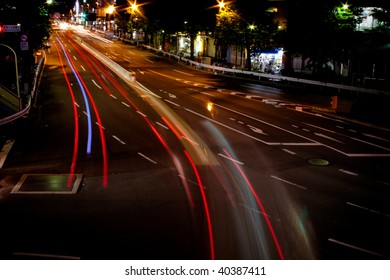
109,11
16,68
221,5
134,11
227,19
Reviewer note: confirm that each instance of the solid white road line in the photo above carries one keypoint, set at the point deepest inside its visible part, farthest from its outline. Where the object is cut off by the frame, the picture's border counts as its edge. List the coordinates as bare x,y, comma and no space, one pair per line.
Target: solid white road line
287,182
119,140
147,158
354,247
368,209
348,172
234,160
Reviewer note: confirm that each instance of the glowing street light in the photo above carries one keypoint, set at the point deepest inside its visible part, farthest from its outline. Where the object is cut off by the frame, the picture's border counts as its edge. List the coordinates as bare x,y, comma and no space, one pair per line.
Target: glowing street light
134,7
221,4
110,9
225,9
343,12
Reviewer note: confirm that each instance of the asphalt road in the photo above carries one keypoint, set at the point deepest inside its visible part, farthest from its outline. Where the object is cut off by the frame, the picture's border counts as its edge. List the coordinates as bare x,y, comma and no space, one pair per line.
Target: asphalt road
186,164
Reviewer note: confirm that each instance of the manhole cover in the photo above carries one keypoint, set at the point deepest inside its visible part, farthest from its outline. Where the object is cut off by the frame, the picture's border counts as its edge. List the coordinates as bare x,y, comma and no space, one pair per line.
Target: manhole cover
48,184
319,162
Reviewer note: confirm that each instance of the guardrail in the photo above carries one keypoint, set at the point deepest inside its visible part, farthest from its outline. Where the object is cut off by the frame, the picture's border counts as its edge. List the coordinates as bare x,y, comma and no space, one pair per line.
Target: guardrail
274,77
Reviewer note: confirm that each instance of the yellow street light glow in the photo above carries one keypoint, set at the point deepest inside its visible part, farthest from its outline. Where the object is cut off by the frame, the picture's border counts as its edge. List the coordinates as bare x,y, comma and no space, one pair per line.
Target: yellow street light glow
133,6
209,106
221,4
110,9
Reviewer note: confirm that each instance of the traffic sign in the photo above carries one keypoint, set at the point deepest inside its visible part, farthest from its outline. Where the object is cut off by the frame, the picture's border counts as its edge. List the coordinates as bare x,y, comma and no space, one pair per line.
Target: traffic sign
23,38
24,46
11,28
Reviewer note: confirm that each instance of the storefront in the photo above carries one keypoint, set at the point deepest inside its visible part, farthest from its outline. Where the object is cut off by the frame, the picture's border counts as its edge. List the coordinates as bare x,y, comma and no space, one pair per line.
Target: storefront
268,62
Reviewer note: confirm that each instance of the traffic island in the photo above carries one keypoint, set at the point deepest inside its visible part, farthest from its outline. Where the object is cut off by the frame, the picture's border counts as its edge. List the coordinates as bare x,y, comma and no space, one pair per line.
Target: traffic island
48,184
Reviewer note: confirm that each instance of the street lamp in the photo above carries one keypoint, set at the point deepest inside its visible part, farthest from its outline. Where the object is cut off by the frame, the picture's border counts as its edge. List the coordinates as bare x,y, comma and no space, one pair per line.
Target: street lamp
343,12
221,5
109,11
225,10
133,9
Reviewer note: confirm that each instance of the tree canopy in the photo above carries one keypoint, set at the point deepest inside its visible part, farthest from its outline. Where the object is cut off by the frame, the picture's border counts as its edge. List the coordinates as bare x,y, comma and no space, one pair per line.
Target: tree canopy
33,18
251,31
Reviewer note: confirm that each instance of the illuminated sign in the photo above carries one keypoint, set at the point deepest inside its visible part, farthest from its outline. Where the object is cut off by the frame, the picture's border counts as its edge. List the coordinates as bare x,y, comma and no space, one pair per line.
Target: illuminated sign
11,28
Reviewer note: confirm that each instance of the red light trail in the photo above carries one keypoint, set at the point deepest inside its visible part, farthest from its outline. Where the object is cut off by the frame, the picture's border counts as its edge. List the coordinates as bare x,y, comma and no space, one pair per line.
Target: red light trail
259,204
76,122
205,204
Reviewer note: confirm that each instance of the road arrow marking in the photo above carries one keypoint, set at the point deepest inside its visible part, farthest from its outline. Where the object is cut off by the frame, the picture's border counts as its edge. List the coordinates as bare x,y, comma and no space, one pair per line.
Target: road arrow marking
257,130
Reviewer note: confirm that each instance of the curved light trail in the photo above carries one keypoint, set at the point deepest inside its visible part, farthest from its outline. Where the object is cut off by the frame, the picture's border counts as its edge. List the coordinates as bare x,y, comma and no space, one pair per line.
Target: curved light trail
89,120
76,122
205,204
86,93
281,256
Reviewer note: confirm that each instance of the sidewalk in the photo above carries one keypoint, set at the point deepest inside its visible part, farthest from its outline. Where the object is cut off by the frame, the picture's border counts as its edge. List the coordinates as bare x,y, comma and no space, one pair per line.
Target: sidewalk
364,109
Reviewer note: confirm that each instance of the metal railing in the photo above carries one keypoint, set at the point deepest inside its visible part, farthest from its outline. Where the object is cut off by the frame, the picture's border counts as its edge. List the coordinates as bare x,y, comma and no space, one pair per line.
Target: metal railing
259,76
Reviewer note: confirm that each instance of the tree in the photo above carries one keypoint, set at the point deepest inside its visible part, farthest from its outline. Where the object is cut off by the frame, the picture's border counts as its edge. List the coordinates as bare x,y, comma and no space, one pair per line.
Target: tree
373,54
322,31
260,36
129,18
33,17
34,20
191,30
228,24
245,31
383,16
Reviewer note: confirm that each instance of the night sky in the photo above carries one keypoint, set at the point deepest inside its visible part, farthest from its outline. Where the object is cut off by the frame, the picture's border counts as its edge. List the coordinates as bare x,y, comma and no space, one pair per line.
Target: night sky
197,8
199,11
